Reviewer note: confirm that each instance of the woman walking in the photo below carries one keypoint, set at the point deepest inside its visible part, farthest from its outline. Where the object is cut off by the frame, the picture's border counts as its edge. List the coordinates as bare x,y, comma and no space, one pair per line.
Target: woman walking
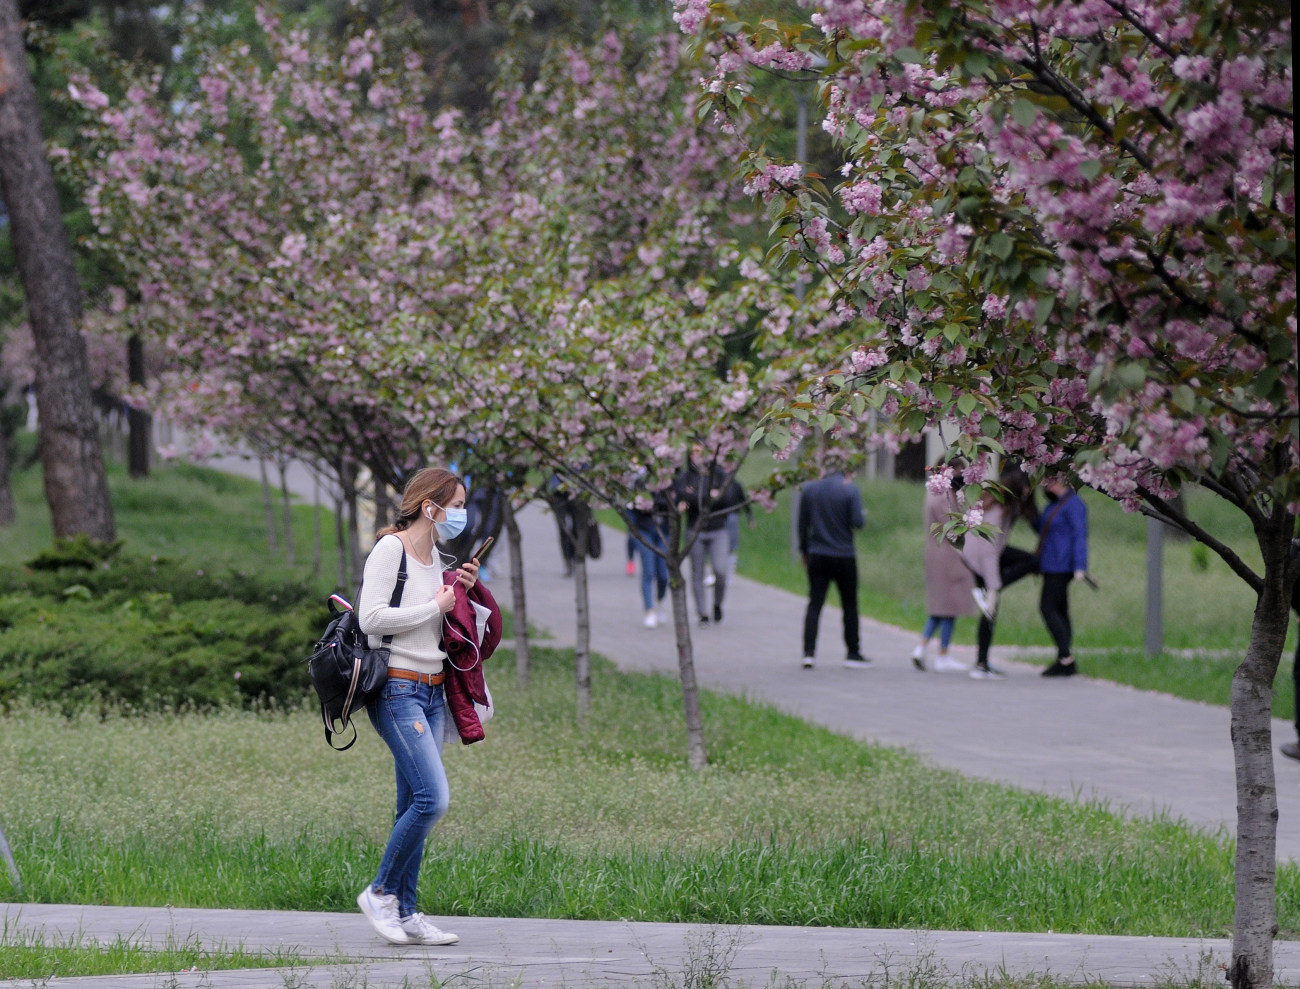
948,581
412,714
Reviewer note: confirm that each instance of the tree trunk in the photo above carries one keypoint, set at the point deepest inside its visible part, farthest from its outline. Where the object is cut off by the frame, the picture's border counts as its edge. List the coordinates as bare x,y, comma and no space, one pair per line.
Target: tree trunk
268,505
8,512
76,486
581,517
286,507
523,650
696,750
138,420
1255,919
315,526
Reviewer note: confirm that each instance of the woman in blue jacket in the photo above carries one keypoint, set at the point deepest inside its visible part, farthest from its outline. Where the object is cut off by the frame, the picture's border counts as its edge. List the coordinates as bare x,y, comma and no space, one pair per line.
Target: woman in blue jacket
1063,556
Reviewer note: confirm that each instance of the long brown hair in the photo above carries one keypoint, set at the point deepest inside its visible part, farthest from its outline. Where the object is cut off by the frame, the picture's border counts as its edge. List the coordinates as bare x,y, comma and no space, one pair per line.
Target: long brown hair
435,484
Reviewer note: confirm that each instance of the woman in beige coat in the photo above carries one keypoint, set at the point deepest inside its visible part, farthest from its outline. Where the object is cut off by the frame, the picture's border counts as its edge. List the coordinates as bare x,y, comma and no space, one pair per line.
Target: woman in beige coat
948,583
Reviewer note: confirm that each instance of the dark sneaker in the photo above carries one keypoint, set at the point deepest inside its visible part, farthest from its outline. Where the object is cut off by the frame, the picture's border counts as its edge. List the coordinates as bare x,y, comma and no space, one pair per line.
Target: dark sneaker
856,661
809,662
1059,669
704,621
717,614
1290,749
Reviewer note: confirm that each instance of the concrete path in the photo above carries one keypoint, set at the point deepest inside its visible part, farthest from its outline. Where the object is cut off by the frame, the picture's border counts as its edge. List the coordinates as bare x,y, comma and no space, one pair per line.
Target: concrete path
499,952
1138,752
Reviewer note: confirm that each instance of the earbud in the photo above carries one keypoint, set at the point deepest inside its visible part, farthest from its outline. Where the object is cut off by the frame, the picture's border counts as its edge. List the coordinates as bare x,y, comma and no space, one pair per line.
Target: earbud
428,514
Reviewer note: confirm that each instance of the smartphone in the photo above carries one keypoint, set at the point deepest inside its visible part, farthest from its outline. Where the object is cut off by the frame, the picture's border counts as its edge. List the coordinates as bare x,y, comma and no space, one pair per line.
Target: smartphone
478,553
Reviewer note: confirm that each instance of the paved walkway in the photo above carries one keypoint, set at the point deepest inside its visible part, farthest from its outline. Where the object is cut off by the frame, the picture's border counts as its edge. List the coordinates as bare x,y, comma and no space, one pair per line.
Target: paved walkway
1137,752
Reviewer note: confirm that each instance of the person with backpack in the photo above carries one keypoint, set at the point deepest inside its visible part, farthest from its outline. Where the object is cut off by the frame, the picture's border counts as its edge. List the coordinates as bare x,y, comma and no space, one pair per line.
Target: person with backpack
412,714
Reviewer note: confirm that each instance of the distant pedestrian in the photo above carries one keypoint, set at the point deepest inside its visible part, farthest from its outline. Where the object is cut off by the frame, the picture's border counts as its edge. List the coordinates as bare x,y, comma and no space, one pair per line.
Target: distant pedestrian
1292,749
948,581
1062,558
830,511
995,565
651,543
707,493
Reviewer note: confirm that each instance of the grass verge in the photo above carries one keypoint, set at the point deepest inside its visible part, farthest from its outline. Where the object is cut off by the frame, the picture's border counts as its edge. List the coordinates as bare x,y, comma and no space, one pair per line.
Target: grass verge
790,825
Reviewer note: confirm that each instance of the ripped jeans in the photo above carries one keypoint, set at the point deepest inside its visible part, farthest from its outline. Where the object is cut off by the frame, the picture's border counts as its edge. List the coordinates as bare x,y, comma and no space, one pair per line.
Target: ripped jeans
411,717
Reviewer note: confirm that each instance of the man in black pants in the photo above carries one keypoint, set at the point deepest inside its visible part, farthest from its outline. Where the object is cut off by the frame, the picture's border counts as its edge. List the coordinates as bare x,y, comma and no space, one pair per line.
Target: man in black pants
829,512
1292,749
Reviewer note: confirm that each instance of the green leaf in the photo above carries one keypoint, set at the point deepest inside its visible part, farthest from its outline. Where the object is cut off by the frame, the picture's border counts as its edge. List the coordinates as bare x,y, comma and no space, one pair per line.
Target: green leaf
1024,113
966,404
1043,308
1090,169
1001,245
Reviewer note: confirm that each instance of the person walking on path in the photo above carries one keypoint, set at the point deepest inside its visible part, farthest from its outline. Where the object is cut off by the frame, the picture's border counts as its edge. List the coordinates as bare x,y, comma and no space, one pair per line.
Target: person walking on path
411,715
949,583
830,511
1292,749
1062,557
996,565
714,495
647,536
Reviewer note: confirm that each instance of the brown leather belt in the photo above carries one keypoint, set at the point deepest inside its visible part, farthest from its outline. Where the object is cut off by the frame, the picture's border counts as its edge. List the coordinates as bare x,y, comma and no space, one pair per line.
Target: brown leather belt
432,679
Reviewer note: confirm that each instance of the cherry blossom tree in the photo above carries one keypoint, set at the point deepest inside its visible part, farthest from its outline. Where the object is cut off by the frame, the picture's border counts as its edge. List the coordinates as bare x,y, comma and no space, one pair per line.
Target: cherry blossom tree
326,195
1068,228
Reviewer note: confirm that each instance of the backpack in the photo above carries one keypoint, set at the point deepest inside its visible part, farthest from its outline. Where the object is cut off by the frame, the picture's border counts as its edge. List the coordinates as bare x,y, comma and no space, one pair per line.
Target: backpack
345,671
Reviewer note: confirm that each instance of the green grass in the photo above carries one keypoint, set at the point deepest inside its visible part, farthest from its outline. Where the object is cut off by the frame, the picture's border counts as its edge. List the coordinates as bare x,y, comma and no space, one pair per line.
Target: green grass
213,519
790,824
23,956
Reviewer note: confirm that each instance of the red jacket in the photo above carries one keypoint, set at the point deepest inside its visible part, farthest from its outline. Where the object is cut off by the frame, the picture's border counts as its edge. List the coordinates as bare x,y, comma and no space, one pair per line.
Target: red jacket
465,684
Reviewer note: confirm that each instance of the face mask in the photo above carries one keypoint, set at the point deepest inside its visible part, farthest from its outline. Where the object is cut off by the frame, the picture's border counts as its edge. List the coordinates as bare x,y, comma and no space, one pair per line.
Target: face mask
454,524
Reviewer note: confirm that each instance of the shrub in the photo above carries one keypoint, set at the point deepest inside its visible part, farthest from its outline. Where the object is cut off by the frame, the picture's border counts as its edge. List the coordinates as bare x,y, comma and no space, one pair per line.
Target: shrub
152,632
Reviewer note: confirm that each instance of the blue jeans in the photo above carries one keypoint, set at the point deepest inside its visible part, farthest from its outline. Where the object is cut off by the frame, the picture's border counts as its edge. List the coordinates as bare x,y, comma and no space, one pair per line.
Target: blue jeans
411,717
654,569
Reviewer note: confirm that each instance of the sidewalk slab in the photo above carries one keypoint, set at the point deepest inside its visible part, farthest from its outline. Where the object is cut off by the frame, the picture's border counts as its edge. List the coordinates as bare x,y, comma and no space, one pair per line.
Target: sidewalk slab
580,954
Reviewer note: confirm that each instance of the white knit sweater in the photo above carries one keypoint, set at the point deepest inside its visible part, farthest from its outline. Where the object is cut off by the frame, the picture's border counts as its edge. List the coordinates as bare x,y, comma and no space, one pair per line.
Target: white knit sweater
416,624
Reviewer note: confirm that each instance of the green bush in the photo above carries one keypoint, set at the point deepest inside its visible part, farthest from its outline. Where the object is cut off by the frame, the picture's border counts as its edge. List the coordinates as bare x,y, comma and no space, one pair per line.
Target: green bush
151,632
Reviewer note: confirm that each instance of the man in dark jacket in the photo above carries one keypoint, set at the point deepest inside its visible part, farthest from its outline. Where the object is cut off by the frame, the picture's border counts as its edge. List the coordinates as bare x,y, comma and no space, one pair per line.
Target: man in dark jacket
830,510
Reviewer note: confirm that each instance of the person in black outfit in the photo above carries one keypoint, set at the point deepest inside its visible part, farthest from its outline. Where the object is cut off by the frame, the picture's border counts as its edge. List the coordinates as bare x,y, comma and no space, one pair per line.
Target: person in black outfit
829,512
1292,749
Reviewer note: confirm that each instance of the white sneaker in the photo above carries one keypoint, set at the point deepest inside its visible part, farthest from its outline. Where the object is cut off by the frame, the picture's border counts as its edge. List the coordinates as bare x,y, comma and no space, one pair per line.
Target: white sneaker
651,619
381,911
420,931
986,673
808,663
918,658
943,663
709,579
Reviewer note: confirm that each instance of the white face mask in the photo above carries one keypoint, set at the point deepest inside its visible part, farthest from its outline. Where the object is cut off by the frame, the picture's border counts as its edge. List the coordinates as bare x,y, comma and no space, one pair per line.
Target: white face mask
454,522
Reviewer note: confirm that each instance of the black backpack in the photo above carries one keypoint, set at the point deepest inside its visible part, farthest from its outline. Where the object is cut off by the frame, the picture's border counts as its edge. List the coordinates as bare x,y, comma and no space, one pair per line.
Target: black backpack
345,671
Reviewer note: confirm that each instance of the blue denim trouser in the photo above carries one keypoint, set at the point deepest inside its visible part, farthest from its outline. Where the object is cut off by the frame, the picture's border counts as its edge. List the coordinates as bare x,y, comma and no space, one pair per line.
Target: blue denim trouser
411,718
654,571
